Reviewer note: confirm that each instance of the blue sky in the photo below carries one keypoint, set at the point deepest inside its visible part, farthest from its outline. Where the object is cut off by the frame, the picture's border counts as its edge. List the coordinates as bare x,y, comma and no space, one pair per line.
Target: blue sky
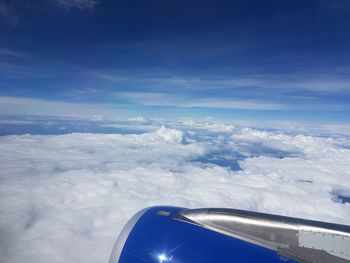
246,59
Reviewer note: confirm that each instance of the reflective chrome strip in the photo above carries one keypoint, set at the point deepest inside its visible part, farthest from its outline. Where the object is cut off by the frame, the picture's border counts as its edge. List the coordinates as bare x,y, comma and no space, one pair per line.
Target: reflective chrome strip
304,240
123,236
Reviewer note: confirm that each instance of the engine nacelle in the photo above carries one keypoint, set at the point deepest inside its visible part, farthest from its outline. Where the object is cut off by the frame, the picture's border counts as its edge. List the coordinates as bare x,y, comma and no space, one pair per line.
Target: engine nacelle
178,235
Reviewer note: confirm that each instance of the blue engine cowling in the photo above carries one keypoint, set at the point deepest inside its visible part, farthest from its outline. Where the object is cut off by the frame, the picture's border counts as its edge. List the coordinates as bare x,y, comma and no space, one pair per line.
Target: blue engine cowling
158,235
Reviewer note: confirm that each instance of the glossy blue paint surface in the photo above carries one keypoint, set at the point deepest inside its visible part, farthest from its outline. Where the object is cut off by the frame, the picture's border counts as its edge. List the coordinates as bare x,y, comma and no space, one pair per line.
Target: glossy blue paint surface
159,239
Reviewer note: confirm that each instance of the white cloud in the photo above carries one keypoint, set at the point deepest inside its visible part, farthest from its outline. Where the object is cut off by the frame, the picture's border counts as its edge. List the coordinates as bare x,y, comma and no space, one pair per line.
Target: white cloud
170,135
65,198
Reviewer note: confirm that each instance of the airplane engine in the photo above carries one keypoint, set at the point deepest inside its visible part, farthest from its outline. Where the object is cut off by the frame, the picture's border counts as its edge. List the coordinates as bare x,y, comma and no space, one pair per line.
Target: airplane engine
178,235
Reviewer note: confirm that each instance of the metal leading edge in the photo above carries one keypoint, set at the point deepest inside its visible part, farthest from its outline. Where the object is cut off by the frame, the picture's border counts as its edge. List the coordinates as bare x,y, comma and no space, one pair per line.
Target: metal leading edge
123,236
303,240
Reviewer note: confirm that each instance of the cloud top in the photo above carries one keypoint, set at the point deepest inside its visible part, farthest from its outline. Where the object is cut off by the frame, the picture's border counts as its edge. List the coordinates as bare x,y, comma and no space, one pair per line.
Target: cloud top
65,198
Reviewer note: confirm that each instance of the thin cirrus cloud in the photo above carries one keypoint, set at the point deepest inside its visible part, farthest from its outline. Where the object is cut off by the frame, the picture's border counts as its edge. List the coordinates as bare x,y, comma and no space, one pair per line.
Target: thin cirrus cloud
20,65
297,82
80,4
19,105
187,101
6,52
299,91
10,10
166,99
22,105
8,14
318,83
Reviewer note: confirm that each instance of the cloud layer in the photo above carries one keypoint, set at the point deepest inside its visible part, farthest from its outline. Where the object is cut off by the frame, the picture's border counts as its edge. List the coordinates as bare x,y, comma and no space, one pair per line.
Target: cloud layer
65,198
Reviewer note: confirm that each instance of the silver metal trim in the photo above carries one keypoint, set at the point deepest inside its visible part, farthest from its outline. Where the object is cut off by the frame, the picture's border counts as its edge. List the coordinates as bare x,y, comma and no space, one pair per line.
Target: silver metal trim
123,236
300,239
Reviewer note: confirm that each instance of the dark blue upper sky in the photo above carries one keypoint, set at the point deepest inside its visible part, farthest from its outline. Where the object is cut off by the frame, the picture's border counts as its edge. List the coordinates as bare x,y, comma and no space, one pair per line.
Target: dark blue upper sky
273,59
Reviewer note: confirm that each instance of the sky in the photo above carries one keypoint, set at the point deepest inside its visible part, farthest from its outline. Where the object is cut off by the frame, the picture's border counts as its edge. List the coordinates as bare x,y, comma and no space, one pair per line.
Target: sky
110,106
243,59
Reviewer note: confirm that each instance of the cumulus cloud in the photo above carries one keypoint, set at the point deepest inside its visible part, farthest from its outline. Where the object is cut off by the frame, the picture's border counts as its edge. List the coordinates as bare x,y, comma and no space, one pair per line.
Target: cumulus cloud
65,198
170,135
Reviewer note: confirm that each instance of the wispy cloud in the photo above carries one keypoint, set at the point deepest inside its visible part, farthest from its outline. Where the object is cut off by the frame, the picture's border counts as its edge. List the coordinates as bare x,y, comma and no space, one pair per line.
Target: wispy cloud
18,105
188,101
12,53
164,99
318,83
80,4
8,13
10,10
